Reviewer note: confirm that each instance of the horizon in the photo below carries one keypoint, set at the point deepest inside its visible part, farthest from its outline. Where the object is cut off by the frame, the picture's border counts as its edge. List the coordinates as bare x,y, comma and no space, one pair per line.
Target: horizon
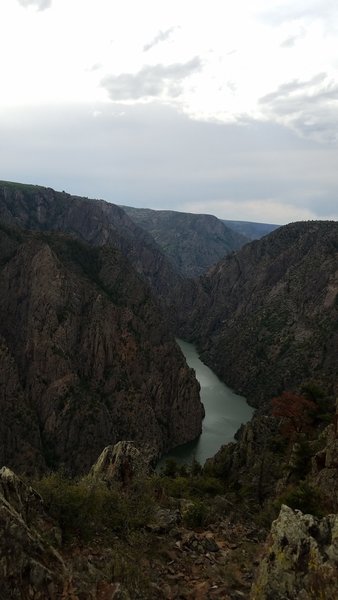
122,206
227,109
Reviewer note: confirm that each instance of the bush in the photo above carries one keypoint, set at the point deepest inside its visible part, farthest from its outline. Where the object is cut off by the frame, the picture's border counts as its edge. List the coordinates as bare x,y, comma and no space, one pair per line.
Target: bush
303,497
170,468
85,507
204,485
192,487
195,514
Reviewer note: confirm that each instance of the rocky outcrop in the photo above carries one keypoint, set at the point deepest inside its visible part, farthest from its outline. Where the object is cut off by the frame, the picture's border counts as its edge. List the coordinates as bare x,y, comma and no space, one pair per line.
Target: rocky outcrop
300,560
30,567
324,471
253,463
193,243
122,463
88,359
265,318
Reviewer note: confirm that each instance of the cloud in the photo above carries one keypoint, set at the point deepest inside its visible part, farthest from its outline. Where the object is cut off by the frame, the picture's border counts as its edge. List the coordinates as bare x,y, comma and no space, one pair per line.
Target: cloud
291,40
299,10
150,82
285,89
153,156
38,4
162,36
309,107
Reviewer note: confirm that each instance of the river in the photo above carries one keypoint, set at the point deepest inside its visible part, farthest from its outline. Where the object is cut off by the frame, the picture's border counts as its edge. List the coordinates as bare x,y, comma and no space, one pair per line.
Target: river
225,411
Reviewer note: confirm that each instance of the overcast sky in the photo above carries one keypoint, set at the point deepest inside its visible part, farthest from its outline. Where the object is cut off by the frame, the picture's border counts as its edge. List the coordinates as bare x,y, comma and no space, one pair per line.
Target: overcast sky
222,107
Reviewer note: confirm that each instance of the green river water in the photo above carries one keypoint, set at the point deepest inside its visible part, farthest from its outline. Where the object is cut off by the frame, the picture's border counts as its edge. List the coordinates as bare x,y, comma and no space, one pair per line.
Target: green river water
225,411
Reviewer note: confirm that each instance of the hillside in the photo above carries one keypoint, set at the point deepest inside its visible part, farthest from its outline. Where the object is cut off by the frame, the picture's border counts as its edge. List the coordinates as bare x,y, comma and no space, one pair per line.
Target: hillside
85,357
193,243
253,231
265,318
93,221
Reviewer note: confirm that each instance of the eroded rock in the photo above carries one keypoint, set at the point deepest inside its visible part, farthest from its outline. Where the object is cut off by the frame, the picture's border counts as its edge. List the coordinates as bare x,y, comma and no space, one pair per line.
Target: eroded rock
30,567
300,560
122,462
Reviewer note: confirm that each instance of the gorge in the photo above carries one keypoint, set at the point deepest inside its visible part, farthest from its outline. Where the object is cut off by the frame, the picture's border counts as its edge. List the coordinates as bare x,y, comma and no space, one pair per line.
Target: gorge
225,412
90,307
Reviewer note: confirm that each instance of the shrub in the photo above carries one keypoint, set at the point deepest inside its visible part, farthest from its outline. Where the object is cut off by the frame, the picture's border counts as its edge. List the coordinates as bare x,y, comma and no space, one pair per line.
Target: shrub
170,468
303,497
195,514
85,507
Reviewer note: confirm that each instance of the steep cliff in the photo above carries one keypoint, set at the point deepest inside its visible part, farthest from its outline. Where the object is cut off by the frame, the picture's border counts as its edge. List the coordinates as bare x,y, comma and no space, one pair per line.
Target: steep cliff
265,318
93,221
88,360
193,243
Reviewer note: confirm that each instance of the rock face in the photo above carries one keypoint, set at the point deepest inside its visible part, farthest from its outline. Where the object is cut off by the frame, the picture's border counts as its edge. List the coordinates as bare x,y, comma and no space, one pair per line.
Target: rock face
324,472
95,222
252,462
30,567
20,440
87,360
301,558
122,463
193,243
265,318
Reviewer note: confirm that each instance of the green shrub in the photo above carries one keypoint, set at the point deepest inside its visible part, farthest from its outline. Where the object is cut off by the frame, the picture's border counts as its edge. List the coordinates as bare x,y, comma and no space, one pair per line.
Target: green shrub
304,497
206,485
195,468
170,468
86,507
195,514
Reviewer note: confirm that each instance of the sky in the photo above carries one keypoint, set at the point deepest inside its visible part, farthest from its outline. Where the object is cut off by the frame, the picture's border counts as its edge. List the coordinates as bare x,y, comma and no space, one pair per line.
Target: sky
221,107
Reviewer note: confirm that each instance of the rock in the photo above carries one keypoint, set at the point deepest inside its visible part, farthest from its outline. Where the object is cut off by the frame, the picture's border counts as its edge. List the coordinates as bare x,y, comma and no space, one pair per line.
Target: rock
300,560
199,542
324,473
264,318
29,505
165,521
96,222
86,357
122,462
250,462
29,566
191,242
210,544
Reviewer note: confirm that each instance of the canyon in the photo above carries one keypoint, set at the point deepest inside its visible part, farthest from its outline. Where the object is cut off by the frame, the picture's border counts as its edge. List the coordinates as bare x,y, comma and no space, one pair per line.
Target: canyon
89,307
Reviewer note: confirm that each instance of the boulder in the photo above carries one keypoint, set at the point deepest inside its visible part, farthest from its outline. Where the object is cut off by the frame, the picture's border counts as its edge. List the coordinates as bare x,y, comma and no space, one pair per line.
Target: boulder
122,462
300,560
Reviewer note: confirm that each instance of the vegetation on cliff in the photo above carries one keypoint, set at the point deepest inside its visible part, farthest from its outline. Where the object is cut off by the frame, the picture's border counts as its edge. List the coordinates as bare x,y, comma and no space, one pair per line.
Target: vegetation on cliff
265,318
192,242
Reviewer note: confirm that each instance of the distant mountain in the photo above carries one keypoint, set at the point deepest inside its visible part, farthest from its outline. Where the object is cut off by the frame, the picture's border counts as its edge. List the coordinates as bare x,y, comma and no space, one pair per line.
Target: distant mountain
192,242
93,221
253,231
266,317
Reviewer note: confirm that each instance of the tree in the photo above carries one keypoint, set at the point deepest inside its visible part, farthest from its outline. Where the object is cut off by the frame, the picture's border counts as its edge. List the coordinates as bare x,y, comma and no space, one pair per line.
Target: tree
297,411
